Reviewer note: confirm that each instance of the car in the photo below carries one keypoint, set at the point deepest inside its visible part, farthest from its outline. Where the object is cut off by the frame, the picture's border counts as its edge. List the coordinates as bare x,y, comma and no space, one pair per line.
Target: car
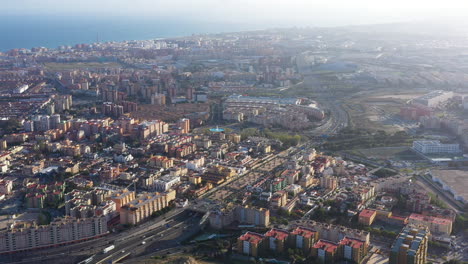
123,251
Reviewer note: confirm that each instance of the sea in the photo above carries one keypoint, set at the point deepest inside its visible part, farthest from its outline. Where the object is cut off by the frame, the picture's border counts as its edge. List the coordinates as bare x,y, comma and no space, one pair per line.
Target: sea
54,31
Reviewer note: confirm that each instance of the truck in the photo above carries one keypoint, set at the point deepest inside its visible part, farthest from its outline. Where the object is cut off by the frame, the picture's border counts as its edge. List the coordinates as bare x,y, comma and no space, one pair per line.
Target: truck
107,249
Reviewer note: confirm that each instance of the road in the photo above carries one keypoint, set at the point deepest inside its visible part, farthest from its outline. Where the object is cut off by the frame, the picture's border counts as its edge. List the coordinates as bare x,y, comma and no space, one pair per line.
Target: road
158,239
71,253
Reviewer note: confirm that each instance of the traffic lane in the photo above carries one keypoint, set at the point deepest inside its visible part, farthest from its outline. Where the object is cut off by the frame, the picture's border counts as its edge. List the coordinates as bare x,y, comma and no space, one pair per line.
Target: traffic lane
129,245
88,247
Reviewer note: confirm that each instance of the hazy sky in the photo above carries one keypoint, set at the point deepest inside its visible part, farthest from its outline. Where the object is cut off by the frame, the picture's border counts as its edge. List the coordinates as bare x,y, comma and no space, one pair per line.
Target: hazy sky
276,12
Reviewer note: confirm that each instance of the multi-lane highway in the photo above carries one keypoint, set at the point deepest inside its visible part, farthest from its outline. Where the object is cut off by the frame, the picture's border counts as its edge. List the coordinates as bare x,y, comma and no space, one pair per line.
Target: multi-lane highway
74,253
169,235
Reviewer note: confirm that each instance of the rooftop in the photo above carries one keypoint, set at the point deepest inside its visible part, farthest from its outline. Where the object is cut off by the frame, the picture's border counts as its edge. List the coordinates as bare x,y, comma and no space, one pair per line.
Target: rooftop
326,245
303,231
367,213
277,233
352,242
457,180
431,219
252,237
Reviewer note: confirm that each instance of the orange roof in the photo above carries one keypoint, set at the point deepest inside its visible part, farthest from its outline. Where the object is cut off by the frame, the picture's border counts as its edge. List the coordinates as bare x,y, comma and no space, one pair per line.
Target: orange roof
367,213
303,231
352,242
434,220
277,233
252,237
326,245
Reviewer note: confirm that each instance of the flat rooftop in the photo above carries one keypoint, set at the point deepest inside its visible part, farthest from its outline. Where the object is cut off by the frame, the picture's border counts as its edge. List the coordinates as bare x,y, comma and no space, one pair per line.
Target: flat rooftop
457,180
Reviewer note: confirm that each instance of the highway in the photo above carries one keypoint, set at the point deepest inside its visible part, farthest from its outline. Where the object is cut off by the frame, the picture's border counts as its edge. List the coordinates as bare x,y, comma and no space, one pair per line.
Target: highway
161,238
74,252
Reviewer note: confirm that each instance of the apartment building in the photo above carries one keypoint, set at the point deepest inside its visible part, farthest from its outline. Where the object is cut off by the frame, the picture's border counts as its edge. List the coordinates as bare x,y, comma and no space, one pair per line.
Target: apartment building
166,182
325,251
436,225
329,182
122,197
244,215
143,206
410,247
61,231
277,239
367,217
352,249
303,238
250,244
346,244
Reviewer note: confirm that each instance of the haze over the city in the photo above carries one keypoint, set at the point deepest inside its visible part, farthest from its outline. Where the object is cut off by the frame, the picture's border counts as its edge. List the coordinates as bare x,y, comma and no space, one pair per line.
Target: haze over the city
262,12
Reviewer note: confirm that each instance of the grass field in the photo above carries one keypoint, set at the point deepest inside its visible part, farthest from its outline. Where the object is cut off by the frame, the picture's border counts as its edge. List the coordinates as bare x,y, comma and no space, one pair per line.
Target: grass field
382,153
57,66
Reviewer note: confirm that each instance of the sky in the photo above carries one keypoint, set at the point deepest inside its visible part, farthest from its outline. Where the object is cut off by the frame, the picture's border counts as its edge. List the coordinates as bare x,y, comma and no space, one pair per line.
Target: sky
264,12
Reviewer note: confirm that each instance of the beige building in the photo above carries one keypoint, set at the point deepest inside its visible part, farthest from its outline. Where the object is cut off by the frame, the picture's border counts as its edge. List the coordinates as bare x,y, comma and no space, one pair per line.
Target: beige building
6,186
329,182
243,215
143,206
60,231
435,224
122,198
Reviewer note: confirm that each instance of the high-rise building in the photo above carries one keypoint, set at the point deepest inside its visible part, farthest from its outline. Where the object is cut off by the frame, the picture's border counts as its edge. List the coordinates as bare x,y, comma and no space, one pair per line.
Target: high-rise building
54,121
277,239
158,99
45,123
250,244
303,238
410,247
189,94
325,251
184,124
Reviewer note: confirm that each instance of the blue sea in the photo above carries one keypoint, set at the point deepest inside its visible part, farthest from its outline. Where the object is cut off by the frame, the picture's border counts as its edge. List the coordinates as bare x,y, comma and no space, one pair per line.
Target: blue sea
53,31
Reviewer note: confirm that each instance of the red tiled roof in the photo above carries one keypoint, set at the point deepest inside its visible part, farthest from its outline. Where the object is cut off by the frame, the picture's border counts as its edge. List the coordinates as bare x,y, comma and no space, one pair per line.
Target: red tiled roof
367,213
352,242
326,245
435,220
252,237
277,233
303,231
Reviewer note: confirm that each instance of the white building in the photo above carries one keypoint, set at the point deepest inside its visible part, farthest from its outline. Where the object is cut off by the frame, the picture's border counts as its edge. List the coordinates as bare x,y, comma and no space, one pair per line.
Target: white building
433,98
166,182
21,89
435,147
123,158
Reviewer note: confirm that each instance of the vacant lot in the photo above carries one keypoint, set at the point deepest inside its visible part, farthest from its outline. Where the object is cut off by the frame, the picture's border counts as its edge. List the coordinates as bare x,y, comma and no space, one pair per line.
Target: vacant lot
382,153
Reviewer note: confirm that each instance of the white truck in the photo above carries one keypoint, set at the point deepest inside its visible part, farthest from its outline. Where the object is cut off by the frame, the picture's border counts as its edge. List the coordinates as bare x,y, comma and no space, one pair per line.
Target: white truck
107,249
